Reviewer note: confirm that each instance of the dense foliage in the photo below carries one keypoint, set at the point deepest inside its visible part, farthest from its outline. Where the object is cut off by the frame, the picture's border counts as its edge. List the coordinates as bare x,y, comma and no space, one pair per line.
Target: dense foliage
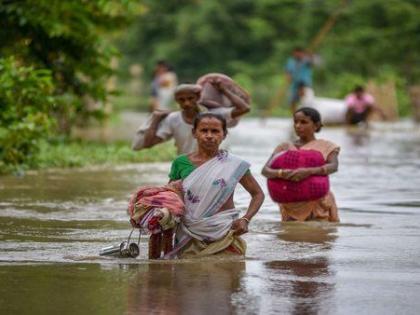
251,40
55,60
25,101
66,37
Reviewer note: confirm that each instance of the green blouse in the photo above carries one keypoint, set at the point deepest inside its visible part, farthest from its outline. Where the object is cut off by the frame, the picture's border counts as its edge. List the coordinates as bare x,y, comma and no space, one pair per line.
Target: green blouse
182,167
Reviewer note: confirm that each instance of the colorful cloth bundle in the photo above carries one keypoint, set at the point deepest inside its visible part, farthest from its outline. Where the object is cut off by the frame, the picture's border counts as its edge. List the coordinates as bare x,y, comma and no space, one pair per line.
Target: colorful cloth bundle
155,209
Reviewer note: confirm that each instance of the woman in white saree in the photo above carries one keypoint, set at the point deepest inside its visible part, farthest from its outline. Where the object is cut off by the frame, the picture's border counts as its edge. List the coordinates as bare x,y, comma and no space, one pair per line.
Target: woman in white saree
211,224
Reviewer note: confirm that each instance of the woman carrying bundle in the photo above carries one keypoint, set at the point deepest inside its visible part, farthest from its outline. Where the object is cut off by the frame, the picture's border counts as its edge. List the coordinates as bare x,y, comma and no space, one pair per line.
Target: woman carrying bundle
211,223
298,172
199,199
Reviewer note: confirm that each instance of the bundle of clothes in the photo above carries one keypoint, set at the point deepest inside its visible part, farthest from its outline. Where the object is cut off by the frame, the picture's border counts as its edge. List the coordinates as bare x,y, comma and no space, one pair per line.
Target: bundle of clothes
157,210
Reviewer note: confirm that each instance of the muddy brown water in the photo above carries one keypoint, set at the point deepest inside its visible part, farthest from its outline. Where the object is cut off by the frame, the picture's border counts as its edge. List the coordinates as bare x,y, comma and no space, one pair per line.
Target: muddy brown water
53,223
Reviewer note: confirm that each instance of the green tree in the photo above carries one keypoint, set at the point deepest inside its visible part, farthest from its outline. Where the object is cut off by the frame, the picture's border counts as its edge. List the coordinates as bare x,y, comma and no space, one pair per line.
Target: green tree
251,40
25,101
69,38
375,36
56,59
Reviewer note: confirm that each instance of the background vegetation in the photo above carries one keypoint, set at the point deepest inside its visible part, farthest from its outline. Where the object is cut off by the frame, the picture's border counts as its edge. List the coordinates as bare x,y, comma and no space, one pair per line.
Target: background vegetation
55,62
251,40
57,57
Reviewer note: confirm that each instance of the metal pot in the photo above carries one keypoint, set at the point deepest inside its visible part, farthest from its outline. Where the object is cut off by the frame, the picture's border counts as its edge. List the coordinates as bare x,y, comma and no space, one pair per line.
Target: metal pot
124,250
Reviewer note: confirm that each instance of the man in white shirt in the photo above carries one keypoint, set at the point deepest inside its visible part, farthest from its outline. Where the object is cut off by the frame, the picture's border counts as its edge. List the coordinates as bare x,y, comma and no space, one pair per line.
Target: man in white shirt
179,124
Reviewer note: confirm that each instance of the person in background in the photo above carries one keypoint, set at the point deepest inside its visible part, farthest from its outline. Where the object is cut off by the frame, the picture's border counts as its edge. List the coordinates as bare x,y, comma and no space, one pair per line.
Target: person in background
179,124
163,86
360,105
298,71
307,122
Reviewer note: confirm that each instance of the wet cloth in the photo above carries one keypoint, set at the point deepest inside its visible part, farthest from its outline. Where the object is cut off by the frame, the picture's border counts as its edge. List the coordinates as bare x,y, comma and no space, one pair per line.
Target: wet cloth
322,209
204,229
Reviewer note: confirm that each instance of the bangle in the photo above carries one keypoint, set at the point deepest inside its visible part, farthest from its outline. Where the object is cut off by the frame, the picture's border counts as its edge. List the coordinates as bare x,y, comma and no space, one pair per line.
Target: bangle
246,219
280,173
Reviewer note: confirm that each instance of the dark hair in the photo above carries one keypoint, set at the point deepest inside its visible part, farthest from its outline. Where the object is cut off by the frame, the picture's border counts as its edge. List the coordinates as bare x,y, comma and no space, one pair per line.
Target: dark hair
164,63
313,114
359,88
301,84
298,48
201,116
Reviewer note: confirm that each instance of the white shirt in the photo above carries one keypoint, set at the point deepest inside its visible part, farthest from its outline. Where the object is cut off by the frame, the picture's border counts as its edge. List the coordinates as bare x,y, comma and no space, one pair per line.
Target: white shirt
174,126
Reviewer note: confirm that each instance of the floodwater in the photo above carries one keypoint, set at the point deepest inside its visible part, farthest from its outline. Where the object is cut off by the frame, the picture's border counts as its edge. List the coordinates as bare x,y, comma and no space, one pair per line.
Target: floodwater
53,223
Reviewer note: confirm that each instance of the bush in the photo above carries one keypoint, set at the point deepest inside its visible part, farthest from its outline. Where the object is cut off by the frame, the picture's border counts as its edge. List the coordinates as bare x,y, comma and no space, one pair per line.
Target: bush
25,103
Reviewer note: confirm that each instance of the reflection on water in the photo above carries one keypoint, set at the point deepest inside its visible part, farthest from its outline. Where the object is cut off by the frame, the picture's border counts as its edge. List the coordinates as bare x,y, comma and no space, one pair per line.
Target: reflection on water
309,232
52,225
298,279
62,289
359,135
308,290
188,288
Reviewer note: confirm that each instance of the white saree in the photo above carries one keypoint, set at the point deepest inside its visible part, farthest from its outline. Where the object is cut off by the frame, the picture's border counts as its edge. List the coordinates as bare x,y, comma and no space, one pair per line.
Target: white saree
206,190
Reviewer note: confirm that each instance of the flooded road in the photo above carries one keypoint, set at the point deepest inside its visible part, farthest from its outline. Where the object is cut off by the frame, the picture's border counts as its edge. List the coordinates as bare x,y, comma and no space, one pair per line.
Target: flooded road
53,223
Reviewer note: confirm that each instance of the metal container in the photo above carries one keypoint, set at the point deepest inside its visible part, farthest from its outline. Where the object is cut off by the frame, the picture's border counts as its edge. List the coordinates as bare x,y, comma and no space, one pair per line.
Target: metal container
129,250
123,250
113,250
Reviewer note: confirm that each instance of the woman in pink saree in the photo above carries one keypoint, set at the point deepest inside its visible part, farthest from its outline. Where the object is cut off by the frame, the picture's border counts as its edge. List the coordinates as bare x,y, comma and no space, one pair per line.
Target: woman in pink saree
307,121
